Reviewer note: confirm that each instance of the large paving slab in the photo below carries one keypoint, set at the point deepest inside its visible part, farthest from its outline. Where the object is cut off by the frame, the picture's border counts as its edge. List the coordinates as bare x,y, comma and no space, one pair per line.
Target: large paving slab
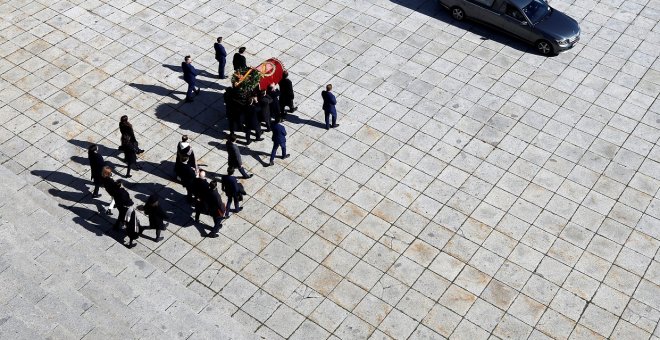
473,188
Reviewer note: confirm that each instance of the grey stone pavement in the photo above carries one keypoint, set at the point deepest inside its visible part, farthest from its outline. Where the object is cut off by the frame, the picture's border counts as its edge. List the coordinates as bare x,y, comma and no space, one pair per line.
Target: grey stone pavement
473,189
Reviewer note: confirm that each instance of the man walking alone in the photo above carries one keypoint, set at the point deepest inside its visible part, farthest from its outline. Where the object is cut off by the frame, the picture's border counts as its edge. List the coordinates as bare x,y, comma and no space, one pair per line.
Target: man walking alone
189,75
329,102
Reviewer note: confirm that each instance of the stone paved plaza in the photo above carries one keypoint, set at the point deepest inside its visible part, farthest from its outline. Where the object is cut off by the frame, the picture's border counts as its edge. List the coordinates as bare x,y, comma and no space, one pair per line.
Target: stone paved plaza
473,189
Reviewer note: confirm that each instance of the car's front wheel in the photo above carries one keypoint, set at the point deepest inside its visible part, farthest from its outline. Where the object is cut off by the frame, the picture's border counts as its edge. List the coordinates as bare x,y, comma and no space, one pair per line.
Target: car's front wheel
457,13
544,47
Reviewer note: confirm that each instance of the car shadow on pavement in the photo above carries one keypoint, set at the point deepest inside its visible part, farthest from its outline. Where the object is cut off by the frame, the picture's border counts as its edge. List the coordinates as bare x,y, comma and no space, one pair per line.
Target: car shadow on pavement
433,9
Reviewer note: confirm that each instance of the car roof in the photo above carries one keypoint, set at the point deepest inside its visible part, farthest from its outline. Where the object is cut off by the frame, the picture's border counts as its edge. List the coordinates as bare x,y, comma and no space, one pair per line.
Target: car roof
520,3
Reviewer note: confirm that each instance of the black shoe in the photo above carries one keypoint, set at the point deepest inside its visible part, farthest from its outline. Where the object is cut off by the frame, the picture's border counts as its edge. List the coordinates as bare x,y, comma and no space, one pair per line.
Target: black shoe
159,239
271,163
214,235
128,176
239,209
259,139
327,128
294,109
197,91
336,125
97,195
249,176
286,156
108,212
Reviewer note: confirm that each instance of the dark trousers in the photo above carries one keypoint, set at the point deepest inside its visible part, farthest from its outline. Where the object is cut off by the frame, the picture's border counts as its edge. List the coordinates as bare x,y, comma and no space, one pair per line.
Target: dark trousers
128,168
277,145
235,200
232,125
189,195
241,169
267,122
191,89
248,131
217,224
284,102
96,188
221,67
327,119
121,219
159,226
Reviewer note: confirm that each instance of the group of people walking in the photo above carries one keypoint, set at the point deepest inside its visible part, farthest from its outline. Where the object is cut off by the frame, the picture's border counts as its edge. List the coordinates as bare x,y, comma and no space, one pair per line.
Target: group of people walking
266,107
101,175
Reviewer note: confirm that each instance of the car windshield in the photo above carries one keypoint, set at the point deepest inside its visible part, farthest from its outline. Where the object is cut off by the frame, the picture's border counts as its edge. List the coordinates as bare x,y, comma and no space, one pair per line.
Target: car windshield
536,10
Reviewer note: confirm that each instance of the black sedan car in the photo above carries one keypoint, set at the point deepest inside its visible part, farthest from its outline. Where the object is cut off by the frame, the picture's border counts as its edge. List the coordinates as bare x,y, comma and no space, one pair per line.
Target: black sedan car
533,21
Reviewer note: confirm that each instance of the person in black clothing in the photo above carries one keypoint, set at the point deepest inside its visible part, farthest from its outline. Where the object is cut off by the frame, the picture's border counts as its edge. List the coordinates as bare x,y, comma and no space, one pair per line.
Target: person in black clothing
126,128
232,189
239,60
110,186
252,120
216,208
133,228
97,163
156,215
286,96
185,174
232,110
274,94
184,150
234,159
201,192
221,57
124,201
130,155
264,106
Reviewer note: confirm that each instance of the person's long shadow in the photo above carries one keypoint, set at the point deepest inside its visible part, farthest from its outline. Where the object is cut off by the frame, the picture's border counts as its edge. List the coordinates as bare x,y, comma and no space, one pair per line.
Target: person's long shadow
294,119
208,119
433,9
159,90
245,151
200,73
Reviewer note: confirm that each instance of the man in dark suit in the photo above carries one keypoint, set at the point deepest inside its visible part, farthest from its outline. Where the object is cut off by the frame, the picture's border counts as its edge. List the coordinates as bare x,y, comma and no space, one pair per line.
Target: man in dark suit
232,189
97,163
252,120
234,159
279,140
216,208
232,110
221,57
329,102
123,201
201,191
185,174
274,94
239,60
189,75
264,108
286,96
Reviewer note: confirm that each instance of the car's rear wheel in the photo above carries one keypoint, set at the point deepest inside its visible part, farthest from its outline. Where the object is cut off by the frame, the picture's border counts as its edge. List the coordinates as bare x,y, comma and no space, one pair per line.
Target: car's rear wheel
544,47
457,13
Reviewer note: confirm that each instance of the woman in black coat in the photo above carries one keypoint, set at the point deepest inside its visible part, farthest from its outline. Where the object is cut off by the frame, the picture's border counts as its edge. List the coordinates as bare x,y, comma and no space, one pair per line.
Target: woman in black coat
156,215
126,129
97,163
130,154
